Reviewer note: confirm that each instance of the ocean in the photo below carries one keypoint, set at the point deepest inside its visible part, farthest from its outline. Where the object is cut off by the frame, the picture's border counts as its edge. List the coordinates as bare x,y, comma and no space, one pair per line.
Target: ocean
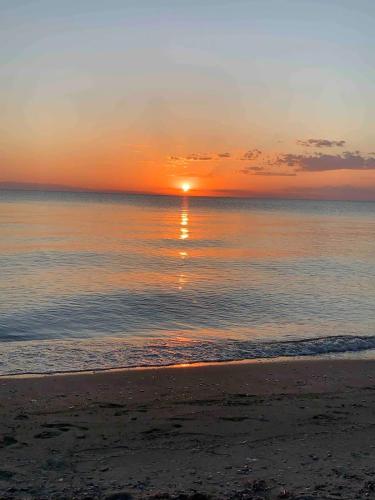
93,281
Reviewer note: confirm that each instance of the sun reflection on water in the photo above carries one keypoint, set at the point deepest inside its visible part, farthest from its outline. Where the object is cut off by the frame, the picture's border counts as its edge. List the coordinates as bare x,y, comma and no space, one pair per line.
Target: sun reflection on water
184,235
184,220
184,224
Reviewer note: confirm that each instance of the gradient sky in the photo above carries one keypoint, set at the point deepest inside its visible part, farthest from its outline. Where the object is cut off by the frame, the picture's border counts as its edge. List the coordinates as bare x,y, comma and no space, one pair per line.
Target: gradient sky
272,98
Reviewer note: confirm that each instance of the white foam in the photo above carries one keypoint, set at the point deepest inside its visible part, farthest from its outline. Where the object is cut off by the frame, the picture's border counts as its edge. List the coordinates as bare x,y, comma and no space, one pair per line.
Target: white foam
105,353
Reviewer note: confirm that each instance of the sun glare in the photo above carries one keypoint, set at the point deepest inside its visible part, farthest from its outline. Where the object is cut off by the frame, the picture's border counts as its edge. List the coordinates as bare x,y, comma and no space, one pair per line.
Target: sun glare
185,187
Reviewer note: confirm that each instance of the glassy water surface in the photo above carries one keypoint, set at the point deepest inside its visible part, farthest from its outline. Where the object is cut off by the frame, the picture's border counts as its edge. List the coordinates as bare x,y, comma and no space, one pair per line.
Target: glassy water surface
96,281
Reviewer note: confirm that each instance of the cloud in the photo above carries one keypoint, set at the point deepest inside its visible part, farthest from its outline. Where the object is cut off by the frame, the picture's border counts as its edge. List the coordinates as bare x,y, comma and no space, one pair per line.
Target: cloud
321,143
283,165
268,173
276,174
252,168
319,162
198,157
256,170
251,154
191,157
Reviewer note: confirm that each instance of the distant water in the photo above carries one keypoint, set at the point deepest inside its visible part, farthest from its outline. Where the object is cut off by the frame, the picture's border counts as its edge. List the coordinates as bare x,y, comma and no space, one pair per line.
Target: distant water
94,281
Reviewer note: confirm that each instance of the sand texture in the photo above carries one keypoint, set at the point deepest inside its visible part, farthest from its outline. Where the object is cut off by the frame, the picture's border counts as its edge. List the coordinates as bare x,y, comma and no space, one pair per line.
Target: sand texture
302,429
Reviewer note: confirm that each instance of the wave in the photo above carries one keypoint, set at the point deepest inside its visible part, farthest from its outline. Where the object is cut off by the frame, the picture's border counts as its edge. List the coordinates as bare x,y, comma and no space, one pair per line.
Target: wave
100,354
314,346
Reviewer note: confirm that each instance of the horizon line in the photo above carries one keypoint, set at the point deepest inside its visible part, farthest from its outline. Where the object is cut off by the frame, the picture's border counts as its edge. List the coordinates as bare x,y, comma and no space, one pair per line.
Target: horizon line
10,186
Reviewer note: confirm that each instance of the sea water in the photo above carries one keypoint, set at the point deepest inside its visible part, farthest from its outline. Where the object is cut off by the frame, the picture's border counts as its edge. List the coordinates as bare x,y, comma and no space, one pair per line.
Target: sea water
92,281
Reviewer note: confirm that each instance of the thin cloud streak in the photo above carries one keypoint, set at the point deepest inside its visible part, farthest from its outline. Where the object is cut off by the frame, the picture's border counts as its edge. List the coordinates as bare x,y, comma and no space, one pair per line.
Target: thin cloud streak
320,143
256,170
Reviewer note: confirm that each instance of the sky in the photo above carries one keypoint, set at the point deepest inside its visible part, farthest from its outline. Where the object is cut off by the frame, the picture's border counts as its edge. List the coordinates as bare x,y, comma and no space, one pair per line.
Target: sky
238,98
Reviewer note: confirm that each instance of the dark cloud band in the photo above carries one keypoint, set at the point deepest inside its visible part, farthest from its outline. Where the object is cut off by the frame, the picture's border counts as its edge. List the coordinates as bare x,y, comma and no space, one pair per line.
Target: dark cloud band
323,162
321,143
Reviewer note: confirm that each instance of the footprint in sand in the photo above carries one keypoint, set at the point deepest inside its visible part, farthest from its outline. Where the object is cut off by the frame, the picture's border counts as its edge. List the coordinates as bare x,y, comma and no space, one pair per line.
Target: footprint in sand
47,434
109,405
57,429
5,475
21,416
65,426
7,441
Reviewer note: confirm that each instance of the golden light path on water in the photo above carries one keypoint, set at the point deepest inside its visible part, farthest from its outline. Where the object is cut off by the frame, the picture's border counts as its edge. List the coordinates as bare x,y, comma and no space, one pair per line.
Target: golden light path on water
184,234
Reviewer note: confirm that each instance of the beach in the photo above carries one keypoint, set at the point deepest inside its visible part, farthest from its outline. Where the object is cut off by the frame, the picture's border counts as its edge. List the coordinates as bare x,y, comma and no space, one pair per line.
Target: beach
283,429
187,221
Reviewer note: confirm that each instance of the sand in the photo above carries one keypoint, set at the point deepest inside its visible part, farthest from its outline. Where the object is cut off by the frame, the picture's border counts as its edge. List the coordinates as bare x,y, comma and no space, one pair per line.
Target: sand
301,429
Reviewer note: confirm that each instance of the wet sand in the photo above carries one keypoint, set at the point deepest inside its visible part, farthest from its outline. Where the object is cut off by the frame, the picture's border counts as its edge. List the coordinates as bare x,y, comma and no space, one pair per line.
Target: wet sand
301,429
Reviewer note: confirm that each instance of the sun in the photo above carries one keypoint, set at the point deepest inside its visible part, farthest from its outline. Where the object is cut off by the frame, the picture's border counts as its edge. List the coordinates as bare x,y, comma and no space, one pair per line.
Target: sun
185,187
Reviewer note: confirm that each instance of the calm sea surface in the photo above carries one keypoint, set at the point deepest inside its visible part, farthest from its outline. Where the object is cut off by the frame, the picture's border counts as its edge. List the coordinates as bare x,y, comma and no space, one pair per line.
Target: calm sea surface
97,281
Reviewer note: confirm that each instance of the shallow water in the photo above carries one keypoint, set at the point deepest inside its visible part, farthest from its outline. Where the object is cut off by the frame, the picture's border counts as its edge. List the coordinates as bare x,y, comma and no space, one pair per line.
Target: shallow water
94,280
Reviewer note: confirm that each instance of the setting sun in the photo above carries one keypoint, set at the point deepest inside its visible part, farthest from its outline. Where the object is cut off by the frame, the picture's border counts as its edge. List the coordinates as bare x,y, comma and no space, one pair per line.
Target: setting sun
185,187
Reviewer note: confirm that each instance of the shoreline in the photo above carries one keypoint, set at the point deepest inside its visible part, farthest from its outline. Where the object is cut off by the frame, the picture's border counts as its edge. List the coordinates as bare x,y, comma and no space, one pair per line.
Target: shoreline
302,428
341,356
193,364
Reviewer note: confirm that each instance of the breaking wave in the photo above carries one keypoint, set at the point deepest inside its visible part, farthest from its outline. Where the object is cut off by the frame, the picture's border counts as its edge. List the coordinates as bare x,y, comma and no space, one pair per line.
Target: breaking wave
100,354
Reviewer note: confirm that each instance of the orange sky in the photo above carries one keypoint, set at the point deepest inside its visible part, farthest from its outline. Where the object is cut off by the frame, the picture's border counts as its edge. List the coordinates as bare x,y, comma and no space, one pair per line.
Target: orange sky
257,100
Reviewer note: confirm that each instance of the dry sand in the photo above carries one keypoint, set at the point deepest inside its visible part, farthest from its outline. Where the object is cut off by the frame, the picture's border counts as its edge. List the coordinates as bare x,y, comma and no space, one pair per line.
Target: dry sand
301,429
